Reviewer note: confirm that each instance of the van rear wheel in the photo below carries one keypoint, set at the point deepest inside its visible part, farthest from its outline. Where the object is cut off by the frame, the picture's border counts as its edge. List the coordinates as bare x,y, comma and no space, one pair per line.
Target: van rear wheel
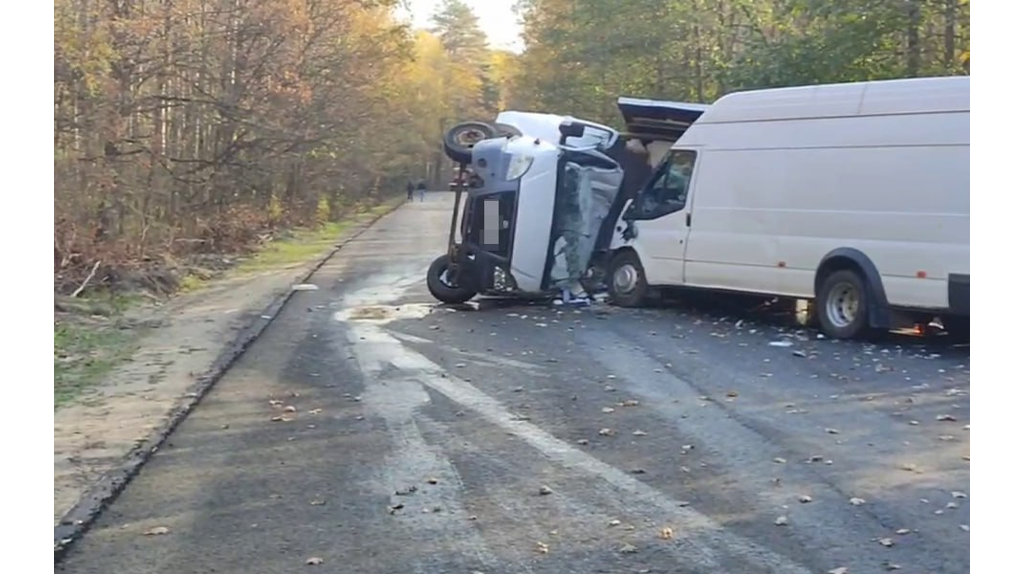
627,283
841,305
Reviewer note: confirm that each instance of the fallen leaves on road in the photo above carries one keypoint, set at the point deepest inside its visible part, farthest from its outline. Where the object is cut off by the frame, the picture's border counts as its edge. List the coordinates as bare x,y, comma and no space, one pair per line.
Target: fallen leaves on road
314,561
157,531
666,533
857,501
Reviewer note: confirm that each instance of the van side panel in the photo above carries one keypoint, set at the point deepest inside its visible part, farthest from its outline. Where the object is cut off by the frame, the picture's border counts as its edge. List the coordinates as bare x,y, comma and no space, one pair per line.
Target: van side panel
773,197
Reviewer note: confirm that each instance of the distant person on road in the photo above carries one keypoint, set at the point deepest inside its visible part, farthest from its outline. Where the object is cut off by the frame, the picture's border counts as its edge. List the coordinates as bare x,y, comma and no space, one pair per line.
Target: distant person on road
408,190
421,187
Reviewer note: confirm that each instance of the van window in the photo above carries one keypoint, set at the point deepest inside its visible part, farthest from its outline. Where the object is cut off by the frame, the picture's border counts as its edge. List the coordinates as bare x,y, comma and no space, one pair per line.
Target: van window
667,192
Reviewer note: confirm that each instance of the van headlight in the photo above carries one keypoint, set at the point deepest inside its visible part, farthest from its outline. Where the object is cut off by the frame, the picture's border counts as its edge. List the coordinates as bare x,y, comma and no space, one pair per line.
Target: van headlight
518,166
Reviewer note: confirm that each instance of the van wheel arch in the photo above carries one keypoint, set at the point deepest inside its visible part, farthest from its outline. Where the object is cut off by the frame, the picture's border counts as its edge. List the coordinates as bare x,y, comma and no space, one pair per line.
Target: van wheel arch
855,260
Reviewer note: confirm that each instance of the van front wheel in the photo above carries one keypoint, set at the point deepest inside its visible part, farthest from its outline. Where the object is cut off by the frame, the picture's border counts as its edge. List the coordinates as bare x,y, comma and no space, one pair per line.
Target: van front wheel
441,285
627,283
842,305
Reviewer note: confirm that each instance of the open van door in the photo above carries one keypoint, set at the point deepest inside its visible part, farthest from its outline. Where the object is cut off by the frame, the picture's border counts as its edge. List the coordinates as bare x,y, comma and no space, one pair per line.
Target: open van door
652,126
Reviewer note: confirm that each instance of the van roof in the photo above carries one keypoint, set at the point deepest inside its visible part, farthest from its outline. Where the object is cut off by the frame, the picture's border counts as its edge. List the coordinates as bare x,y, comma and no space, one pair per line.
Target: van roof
906,96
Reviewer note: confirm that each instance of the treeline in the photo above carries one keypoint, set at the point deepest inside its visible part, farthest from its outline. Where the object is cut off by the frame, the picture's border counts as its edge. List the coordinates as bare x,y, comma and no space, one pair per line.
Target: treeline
198,126
582,54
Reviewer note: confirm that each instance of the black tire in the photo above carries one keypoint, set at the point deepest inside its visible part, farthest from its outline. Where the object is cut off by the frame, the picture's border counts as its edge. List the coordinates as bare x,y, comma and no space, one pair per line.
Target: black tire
957,328
460,139
507,131
840,291
626,280
442,291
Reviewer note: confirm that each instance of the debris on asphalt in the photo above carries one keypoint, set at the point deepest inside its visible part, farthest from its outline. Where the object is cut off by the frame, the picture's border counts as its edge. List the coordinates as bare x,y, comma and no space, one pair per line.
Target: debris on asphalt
638,471
805,498
157,531
831,431
779,460
945,418
545,490
958,494
890,565
607,410
782,521
732,394
314,561
280,419
639,433
432,480
320,501
857,501
606,432
406,491
305,287
395,508
887,542
542,548
665,533
289,409
902,531
780,344
614,522
630,403
965,527
628,549
840,570
583,442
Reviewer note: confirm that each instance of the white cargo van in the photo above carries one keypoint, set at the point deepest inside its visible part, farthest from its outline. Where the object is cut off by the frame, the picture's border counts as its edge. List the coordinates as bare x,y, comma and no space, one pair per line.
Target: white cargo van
855,196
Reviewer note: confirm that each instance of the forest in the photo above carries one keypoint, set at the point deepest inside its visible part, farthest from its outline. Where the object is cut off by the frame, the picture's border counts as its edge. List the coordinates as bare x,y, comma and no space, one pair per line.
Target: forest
185,128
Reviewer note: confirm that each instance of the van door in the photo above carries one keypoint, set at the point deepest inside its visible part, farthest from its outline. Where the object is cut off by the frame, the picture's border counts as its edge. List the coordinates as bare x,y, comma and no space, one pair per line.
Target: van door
658,219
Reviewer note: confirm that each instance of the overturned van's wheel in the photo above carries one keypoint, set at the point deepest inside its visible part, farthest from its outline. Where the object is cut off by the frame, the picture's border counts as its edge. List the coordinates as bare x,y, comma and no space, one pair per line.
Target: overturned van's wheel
627,283
441,287
841,305
460,139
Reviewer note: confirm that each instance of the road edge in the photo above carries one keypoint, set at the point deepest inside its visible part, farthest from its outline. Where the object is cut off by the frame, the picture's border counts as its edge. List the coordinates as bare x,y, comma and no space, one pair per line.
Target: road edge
77,521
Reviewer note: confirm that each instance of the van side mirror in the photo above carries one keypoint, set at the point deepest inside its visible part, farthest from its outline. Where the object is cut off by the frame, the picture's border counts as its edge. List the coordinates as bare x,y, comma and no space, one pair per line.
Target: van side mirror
570,129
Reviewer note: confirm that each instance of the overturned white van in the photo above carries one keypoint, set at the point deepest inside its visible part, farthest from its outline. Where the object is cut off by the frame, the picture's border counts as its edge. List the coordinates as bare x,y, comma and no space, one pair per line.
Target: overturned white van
855,196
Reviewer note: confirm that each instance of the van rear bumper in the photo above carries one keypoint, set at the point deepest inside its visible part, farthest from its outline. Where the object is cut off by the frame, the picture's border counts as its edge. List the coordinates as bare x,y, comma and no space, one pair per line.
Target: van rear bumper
960,294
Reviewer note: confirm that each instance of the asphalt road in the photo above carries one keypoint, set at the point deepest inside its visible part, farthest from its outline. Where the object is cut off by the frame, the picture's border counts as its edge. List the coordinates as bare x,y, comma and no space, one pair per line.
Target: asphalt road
530,438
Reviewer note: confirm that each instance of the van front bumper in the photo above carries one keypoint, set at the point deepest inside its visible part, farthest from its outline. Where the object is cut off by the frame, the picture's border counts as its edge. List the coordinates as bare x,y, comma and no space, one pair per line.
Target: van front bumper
960,294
